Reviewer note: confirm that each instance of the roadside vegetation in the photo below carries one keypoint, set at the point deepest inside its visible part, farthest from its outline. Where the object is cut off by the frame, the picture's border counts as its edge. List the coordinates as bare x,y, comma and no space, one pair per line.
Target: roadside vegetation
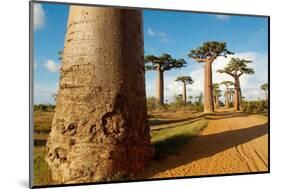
170,141
174,134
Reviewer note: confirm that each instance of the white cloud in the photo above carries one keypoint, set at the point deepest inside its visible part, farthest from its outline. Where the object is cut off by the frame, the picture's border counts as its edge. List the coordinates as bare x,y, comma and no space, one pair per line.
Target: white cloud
39,17
43,94
222,17
150,32
35,65
51,66
163,37
250,84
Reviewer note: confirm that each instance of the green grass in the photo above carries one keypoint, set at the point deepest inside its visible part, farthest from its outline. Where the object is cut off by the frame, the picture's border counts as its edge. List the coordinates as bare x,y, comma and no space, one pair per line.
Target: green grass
42,173
166,142
170,141
43,120
42,127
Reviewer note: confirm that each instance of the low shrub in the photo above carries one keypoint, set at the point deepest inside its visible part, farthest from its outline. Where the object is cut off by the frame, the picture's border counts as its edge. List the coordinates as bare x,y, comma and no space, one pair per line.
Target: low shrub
256,107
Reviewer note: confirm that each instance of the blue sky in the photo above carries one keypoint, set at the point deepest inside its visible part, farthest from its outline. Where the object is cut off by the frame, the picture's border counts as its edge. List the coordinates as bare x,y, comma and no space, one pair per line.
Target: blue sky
170,32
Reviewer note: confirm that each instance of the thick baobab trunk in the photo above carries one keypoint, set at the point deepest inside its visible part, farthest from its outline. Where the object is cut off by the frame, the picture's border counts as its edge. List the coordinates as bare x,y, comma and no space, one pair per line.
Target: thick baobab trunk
184,92
160,86
100,130
208,89
236,94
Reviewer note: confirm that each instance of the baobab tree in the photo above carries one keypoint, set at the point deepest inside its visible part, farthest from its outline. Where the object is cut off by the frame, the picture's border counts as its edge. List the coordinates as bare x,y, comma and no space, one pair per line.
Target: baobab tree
185,81
207,53
227,84
100,130
217,94
231,93
199,98
236,68
190,99
264,87
160,64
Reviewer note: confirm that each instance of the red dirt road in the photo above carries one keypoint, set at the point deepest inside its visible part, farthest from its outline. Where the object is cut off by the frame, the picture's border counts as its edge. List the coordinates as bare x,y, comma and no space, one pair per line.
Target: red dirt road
233,142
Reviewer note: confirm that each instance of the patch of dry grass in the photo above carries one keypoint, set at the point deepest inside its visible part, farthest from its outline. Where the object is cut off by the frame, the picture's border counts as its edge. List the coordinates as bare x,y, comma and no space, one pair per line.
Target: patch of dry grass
166,141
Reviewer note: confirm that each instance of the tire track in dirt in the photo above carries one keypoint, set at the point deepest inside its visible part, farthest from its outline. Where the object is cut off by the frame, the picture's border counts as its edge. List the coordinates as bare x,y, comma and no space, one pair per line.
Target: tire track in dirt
233,142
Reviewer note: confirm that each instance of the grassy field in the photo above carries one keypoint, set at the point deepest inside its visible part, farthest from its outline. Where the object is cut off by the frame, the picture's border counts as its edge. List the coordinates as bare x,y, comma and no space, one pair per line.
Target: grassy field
173,131
42,127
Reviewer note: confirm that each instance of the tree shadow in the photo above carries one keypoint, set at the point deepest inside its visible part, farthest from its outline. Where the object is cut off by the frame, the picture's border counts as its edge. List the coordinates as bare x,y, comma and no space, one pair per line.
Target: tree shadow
225,115
40,142
156,122
207,145
181,124
44,131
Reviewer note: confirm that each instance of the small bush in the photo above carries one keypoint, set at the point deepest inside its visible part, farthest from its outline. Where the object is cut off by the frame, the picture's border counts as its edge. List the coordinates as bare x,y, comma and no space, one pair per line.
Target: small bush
256,107
44,107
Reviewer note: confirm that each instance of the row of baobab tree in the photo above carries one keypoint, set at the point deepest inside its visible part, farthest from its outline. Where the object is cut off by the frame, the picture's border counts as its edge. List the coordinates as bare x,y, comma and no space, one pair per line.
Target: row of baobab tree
207,53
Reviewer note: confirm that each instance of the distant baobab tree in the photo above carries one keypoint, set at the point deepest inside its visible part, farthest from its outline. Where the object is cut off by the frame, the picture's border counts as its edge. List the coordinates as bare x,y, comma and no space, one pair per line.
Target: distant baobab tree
190,98
54,96
217,94
185,81
160,64
199,98
236,68
227,84
231,93
207,53
264,87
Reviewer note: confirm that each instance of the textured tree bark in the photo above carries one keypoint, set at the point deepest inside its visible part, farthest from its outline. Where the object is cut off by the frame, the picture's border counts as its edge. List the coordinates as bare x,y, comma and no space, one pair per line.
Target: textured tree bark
236,95
240,95
184,92
227,101
208,89
217,101
160,86
100,130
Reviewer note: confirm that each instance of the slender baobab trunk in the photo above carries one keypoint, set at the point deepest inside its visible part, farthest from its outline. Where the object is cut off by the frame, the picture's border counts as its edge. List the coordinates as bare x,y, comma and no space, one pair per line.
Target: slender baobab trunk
184,92
100,130
236,94
266,98
208,89
227,101
240,95
160,86
217,101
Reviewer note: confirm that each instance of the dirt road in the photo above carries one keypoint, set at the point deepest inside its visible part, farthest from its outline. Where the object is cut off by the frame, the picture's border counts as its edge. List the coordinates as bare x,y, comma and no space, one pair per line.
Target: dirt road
232,143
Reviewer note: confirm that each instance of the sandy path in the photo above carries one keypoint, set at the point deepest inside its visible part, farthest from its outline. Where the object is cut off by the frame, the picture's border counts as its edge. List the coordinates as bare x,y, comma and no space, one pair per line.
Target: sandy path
232,143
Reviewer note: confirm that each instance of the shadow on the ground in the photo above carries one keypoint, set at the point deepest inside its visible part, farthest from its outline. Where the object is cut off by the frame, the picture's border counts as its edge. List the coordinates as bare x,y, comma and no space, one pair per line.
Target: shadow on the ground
40,142
225,115
180,124
207,145
44,131
163,121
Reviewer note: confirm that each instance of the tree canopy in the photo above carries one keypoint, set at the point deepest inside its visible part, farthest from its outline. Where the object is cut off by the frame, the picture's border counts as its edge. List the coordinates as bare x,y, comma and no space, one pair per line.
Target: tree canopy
185,79
209,51
60,53
264,87
163,63
227,83
237,67
216,89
